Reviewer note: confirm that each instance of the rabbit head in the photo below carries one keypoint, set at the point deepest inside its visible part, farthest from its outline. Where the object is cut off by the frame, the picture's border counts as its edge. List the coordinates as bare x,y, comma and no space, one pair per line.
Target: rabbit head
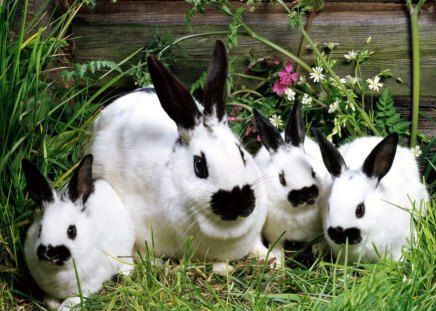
63,231
294,182
214,177
356,207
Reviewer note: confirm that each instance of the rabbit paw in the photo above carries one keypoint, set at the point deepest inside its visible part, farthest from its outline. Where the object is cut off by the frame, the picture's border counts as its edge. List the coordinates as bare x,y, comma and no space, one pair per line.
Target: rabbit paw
222,268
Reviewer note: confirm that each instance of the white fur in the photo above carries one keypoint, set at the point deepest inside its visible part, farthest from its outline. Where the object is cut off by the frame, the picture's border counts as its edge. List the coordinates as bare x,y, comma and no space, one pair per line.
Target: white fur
135,149
385,224
304,222
104,232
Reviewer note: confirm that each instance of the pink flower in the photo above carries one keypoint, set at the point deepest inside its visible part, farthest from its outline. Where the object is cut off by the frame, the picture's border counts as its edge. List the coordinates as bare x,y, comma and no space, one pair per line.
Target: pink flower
285,78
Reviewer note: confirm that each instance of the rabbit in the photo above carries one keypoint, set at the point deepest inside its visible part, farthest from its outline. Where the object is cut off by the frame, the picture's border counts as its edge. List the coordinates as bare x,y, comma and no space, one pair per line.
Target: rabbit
86,225
376,184
296,180
181,172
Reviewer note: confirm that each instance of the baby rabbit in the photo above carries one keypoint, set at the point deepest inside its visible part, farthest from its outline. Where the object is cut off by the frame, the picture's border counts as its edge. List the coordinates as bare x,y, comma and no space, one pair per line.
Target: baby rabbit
180,170
296,181
375,185
86,226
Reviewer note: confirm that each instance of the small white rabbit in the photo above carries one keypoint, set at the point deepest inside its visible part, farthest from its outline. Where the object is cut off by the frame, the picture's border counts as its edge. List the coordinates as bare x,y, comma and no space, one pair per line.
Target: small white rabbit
375,185
86,226
296,181
180,170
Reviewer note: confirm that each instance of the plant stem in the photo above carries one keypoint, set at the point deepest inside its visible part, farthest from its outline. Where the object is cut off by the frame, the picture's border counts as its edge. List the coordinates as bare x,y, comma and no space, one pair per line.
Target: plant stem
415,68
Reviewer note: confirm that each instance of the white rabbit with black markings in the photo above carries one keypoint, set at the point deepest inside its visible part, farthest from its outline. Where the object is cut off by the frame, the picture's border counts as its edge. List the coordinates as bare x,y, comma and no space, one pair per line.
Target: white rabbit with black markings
296,182
86,226
180,170
376,184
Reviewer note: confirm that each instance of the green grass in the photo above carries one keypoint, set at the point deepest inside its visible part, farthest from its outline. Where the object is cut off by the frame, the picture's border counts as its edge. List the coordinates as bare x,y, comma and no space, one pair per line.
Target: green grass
42,120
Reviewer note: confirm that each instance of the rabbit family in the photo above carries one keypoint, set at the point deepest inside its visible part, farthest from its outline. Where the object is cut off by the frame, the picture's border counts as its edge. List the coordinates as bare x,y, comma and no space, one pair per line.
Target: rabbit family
85,227
180,170
295,179
376,184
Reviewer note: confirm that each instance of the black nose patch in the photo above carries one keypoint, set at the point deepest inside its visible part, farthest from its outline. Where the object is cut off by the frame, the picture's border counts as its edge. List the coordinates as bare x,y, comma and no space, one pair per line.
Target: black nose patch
229,205
56,255
305,195
339,235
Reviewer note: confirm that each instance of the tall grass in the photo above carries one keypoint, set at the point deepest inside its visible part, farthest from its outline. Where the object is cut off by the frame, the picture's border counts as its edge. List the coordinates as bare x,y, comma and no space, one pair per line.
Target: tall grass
46,122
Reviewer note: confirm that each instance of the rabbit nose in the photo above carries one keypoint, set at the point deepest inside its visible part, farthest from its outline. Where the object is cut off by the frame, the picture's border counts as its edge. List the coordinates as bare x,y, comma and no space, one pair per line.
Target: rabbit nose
340,236
229,205
56,255
305,195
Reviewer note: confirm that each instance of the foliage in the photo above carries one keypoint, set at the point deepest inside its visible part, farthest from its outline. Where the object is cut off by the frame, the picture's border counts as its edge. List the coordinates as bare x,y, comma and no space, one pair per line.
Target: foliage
386,119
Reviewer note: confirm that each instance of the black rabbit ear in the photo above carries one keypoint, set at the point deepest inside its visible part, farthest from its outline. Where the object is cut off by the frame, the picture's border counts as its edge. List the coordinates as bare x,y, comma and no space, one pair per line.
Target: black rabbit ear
333,160
294,131
269,135
379,161
37,185
173,95
82,185
214,100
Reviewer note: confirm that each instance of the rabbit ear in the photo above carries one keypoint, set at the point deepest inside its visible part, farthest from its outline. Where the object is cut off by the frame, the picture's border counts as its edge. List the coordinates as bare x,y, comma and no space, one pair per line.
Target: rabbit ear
294,131
379,161
214,100
269,135
333,160
37,185
173,96
82,185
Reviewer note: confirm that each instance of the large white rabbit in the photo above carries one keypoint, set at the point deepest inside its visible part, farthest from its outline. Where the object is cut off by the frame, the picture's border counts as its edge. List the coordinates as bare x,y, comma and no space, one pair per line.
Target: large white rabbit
296,181
180,170
375,186
86,226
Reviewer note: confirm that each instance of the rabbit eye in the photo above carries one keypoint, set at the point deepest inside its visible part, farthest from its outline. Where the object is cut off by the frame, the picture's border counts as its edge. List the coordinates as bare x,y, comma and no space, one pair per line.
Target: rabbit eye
360,210
282,178
313,173
39,231
200,166
72,232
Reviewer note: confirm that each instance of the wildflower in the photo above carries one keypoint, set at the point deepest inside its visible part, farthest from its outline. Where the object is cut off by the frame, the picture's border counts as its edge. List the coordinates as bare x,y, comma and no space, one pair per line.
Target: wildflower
352,80
350,106
351,55
374,84
306,100
368,41
302,80
276,120
417,151
285,78
330,45
290,94
317,75
334,106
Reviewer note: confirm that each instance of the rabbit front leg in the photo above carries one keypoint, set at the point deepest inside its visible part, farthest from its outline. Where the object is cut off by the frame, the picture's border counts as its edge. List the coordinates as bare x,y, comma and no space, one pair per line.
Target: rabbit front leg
261,252
222,268
69,303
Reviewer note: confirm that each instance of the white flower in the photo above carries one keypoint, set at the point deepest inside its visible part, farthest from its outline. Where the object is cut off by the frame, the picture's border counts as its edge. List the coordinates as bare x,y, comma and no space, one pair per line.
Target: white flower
334,106
317,75
352,80
417,151
306,100
330,45
374,84
302,80
351,55
368,41
350,106
290,94
276,120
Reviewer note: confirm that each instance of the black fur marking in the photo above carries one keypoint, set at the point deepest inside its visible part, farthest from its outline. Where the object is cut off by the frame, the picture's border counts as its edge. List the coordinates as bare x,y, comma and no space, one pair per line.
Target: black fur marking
340,236
294,131
282,178
56,255
289,245
173,95
242,154
229,205
200,166
333,160
37,185
305,195
215,87
380,160
268,133
82,185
